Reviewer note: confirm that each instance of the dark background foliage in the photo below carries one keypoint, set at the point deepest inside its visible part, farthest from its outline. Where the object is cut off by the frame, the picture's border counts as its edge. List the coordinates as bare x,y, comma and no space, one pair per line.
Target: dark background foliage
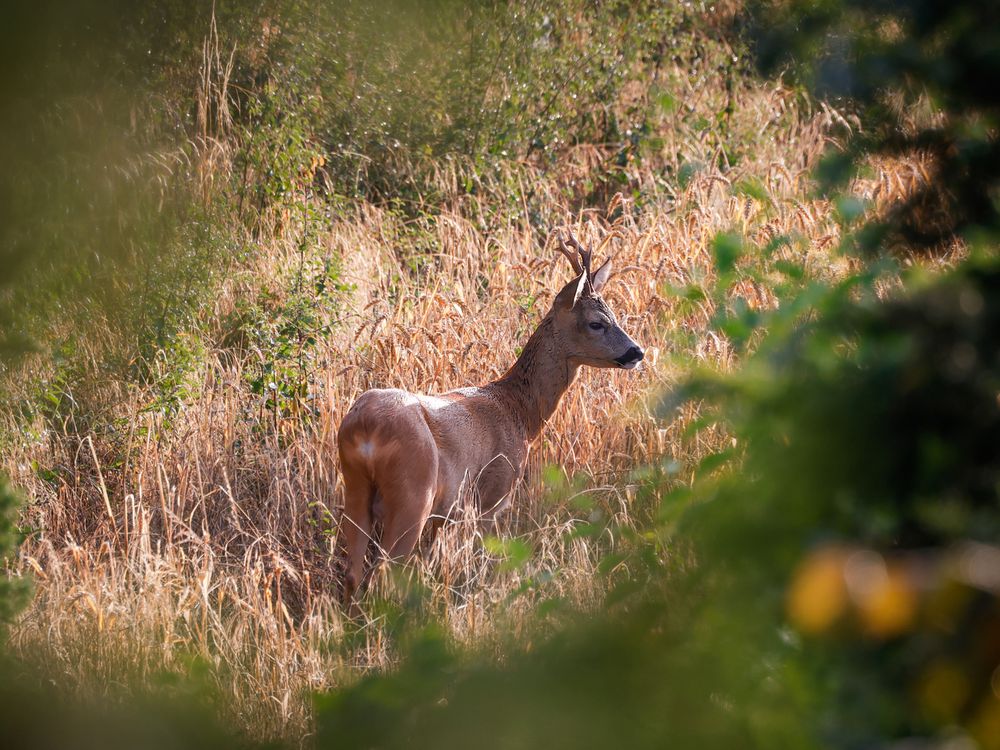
895,63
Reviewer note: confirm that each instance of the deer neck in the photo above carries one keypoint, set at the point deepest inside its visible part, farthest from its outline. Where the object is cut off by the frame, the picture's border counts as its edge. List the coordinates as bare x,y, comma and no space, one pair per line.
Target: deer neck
534,384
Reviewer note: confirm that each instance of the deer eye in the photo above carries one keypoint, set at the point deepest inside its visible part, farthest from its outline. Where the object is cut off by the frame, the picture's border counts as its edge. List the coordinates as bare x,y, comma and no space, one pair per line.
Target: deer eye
595,326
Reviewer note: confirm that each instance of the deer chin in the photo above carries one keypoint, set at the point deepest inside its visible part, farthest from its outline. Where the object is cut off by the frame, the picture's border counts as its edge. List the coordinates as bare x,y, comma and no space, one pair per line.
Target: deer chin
600,364
630,359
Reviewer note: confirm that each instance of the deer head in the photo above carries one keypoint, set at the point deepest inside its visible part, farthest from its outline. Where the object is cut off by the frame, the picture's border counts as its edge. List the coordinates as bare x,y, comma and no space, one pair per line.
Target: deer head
587,327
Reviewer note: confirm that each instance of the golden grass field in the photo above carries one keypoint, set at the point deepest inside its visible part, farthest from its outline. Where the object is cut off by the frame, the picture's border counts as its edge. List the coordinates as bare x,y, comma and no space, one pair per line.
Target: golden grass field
208,537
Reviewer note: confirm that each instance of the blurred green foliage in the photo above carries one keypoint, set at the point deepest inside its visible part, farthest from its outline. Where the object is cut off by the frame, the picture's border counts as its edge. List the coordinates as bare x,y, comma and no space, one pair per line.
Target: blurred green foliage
103,226
37,716
13,589
920,74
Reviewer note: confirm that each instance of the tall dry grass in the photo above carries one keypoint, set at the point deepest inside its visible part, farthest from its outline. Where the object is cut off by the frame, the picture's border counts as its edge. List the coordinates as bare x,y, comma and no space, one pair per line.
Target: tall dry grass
208,535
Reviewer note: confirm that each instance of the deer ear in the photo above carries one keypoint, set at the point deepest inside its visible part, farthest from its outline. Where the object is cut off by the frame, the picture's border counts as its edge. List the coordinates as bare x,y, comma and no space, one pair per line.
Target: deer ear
571,293
601,276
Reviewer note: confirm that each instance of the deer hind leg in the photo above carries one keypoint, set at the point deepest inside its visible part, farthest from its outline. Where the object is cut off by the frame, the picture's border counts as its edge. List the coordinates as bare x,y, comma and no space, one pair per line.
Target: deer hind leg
407,505
406,472
355,527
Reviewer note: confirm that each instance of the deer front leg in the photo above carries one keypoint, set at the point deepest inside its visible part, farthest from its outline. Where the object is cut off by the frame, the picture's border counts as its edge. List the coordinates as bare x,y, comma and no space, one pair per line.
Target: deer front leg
496,485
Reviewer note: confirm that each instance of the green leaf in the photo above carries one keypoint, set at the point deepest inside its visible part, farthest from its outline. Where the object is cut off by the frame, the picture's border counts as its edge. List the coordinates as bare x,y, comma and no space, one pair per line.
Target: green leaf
609,562
553,477
789,269
726,250
687,171
850,208
713,461
516,552
835,169
585,531
666,102
753,188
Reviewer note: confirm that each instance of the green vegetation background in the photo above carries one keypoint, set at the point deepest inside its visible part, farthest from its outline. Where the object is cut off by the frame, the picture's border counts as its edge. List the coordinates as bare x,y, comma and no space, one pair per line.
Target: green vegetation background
865,430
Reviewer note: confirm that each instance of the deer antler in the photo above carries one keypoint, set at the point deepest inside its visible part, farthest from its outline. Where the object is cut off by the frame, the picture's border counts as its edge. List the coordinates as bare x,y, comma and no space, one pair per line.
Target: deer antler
580,264
570,255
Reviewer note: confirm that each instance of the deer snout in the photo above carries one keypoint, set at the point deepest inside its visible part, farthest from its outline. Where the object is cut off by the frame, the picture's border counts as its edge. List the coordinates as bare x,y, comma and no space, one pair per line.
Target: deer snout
631,358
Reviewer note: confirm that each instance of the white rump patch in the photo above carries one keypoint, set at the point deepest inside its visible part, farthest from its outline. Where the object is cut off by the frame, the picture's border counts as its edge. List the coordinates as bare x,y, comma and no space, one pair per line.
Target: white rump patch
366,448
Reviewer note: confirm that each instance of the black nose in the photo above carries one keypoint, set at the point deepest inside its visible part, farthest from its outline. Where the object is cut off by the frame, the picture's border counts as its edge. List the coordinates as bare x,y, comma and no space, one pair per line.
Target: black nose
634,354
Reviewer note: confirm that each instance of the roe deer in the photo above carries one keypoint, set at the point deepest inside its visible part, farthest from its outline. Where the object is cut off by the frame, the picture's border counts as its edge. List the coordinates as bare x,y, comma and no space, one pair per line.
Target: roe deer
405,456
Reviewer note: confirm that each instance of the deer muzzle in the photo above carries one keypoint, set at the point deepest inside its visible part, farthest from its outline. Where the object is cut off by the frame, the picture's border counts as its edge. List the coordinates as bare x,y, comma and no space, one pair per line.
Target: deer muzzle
631,358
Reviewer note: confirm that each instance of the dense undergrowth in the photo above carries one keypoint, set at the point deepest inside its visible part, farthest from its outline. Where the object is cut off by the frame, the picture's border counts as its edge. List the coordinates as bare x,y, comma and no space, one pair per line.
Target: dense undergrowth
247,216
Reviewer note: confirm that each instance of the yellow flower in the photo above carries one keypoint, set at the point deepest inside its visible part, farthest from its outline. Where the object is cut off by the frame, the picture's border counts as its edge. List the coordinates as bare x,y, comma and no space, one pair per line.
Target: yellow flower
817,596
